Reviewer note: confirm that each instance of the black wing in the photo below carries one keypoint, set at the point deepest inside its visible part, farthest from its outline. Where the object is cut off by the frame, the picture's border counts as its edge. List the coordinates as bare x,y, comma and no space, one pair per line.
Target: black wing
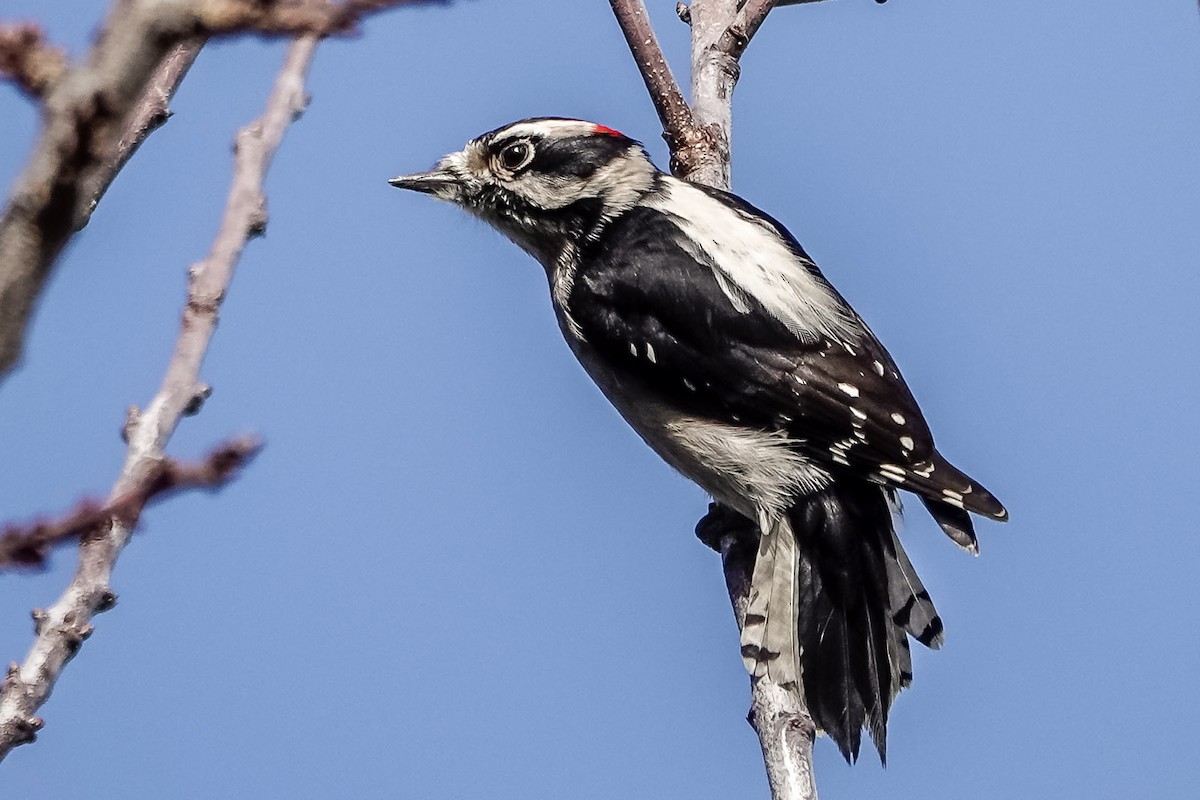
672,329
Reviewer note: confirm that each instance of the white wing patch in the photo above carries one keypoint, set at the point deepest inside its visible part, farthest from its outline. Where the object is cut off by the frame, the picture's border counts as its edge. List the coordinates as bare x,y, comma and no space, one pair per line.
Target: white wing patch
749,258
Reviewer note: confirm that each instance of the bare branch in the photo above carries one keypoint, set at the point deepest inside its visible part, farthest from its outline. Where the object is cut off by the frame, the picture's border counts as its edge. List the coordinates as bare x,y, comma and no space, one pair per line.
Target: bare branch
28,60
62,627
684,138
30,545
778,714
295,17
85,113
714,74
721,30
149,113
751,17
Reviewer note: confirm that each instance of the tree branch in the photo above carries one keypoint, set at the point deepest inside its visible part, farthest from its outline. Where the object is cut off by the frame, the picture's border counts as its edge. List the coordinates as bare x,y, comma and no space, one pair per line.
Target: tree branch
721,30
28,60
63,626
778,714
714,75
84,119
30,545
739,33
150,112
685,139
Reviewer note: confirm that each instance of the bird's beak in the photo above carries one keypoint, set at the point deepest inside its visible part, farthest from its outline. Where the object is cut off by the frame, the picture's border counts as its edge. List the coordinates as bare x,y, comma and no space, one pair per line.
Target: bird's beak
445,181
431,182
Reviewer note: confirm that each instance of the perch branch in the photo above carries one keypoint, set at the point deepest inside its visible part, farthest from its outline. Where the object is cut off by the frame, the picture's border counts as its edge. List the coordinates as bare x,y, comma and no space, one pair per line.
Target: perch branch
721,30
715,72
778,713
30,545
85,109
62,627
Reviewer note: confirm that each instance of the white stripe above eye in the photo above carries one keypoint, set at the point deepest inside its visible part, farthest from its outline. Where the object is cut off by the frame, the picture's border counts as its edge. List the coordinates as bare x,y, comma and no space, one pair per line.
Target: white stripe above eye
557,128
749,256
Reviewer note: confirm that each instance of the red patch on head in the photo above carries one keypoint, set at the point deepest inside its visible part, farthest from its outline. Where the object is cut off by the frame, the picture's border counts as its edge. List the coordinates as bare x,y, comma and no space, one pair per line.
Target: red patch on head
604,130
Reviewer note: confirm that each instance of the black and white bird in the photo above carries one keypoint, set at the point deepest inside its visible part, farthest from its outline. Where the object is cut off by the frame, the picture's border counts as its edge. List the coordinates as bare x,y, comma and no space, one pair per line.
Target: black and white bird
717,338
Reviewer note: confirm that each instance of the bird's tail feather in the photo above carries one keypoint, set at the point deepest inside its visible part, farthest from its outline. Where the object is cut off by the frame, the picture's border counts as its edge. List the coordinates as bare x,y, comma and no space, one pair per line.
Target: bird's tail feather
855,598
770,647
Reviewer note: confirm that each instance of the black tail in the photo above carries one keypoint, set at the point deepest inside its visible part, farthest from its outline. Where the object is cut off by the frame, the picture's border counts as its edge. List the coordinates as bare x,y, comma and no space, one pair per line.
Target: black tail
859,600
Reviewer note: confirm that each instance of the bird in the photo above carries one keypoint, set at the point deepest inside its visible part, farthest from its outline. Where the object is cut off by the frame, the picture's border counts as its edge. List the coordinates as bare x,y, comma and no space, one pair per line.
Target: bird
720,342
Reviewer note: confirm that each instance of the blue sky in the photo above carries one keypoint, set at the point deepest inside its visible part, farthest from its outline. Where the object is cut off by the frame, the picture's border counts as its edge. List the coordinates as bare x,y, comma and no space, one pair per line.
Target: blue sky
454,572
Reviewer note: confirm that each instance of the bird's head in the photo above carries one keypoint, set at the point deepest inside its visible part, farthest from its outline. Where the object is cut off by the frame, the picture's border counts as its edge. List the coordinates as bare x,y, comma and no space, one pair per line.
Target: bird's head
540,181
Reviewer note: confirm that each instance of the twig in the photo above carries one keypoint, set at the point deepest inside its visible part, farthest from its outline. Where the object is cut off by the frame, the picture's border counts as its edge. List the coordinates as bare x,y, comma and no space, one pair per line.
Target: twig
63,626
297,17
738,35
685,139
149,113
84,113
30,545
28,60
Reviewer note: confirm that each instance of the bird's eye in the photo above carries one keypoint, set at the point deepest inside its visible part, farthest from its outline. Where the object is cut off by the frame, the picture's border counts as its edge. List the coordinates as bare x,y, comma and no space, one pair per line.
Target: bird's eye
516,155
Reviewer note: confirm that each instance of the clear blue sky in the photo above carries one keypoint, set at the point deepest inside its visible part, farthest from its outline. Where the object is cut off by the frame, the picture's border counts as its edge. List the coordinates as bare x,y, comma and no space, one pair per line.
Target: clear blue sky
455,573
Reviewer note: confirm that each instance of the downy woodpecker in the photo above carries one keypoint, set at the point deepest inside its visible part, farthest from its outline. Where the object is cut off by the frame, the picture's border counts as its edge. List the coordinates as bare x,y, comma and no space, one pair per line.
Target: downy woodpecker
717,338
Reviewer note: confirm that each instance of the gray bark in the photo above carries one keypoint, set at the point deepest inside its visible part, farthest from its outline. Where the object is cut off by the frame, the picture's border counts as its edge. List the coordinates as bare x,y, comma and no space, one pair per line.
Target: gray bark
62,628
699,136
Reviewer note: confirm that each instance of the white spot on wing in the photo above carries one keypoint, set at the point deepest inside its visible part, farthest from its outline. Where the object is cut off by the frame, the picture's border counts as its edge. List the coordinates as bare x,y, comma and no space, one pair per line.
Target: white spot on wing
879,368
897,418
907,443
856,412
849,389
633,349
650,353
